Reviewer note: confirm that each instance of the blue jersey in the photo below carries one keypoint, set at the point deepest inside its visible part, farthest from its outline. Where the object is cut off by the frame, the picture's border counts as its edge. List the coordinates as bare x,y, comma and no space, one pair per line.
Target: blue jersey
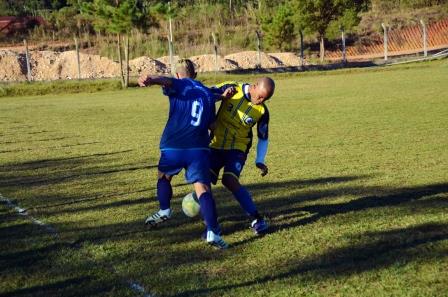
192,110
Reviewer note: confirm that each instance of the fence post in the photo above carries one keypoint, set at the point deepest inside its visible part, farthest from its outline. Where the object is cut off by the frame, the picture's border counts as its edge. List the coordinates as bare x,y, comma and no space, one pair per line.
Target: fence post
120,59
170,45
301,49
77,57
215,49
425,38
126,58
258,49
385,40
28,66
344,53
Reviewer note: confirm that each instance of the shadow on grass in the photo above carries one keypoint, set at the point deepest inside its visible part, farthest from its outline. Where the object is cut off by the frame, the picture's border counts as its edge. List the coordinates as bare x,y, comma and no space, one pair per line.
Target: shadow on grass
55,162
285,212
78,286
383,249
32,181
399,196
60,170
50,147
379,250
40,140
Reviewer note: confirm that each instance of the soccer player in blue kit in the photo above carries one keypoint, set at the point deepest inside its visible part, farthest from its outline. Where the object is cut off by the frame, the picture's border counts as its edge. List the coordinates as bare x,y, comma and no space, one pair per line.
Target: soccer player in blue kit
185,145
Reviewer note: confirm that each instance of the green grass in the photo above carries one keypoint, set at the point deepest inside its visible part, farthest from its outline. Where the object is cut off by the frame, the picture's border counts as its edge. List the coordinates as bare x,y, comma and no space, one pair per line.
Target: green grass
357,194
39,88
58,87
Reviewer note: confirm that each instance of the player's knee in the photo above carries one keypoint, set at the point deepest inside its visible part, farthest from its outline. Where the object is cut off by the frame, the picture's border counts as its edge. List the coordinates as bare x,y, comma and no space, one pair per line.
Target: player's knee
201,188
163,176
230,182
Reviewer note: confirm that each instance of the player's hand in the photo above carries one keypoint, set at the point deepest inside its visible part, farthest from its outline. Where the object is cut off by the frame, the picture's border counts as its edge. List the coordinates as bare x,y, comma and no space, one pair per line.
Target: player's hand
229,92
144,81
263,168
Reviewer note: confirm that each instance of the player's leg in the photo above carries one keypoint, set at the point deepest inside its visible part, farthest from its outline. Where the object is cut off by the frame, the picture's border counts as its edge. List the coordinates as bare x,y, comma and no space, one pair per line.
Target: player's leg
234,163
168,166
198,173
216,163
164,190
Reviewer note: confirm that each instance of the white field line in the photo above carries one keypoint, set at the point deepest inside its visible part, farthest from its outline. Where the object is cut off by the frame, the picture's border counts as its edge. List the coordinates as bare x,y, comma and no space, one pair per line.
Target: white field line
134,286
23,212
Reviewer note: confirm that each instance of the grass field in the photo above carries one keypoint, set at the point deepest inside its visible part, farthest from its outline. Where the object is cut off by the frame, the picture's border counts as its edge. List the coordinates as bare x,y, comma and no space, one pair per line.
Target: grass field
357,194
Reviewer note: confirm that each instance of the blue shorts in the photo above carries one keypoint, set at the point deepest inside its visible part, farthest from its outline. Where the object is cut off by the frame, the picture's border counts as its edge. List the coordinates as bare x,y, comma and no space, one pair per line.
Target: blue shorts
196,163
232,160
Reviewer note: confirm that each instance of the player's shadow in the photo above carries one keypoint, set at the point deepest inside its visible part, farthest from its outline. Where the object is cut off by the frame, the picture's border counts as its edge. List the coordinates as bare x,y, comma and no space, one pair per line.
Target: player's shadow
397,196
295,209
377,250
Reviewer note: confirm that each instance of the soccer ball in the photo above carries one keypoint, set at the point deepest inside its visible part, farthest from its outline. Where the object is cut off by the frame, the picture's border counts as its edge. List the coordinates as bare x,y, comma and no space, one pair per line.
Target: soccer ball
190,205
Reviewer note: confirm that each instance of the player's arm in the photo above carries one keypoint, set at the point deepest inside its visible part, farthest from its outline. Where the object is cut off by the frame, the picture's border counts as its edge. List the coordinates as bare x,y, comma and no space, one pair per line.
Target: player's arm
263,142
150,80
223,91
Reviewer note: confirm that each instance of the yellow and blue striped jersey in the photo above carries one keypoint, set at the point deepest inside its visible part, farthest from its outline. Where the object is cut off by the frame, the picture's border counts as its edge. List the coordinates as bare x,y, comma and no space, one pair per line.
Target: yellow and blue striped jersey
235,119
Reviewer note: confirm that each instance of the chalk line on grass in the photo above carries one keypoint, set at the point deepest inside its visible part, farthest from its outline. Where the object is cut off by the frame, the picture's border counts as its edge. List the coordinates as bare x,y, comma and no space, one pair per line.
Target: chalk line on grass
134,286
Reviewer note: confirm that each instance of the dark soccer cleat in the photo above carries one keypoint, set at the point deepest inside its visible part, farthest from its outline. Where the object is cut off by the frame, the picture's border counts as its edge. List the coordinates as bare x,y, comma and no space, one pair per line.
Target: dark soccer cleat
216,241
259,226
157,218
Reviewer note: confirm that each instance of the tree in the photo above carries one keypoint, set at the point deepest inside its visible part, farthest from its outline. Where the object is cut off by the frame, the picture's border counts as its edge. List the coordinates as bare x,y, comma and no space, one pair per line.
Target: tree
318,15
117,17
279,28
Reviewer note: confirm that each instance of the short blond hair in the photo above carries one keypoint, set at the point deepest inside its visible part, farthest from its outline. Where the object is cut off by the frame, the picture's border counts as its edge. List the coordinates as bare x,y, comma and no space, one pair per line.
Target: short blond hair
186,67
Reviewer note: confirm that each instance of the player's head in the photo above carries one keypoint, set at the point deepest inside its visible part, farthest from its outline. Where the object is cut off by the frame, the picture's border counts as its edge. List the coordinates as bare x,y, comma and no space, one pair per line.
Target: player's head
185,69
261,90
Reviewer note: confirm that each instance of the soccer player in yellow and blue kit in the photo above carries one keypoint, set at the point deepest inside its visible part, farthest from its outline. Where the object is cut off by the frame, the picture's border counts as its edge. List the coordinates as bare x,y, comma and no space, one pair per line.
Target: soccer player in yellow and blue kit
185,145
232,139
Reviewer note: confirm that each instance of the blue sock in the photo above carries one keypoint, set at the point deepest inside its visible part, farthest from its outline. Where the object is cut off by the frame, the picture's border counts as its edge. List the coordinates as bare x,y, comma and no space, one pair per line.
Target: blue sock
245,200
164,193
208,211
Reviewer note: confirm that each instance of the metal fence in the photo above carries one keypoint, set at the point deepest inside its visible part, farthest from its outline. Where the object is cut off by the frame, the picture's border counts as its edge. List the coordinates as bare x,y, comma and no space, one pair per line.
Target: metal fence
426,41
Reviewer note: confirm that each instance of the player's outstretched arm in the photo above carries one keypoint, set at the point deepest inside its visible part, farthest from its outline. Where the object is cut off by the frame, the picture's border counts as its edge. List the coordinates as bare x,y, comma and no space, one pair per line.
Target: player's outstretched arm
228,93
149,80
223,92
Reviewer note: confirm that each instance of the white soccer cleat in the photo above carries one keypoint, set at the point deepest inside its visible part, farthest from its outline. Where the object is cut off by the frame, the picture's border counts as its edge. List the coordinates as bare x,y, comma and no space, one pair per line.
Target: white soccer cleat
159,217
216,241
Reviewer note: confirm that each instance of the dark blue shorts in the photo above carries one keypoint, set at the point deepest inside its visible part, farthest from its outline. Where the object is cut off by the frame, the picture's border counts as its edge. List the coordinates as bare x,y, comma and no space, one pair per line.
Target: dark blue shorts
232,160
196,163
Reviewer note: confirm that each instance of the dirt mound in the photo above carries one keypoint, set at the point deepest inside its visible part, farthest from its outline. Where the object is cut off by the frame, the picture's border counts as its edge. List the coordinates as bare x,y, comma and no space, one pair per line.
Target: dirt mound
206,63
92,66
146,65
288,59
45,65
249,60
48,65
166,61
12,66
